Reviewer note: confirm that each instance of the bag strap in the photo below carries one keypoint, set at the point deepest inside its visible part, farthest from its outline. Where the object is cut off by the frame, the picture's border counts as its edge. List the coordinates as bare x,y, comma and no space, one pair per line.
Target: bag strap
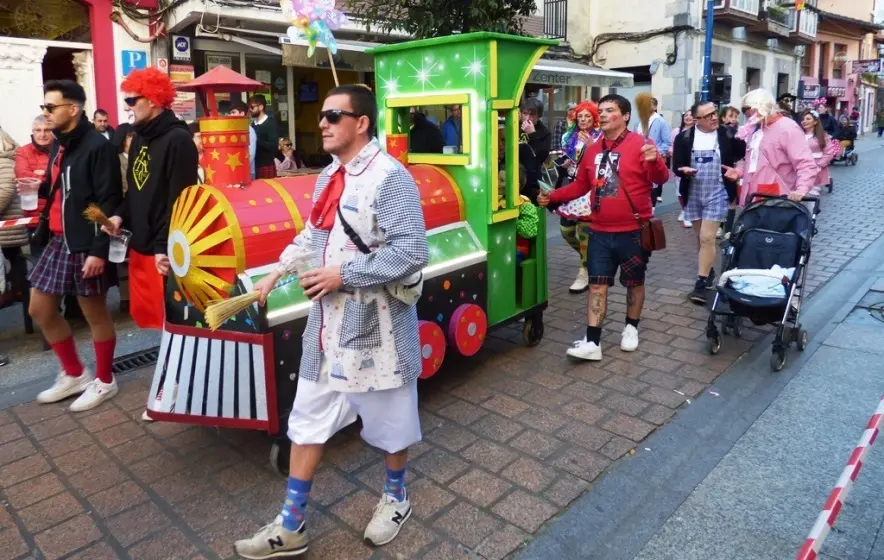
354,237
44,215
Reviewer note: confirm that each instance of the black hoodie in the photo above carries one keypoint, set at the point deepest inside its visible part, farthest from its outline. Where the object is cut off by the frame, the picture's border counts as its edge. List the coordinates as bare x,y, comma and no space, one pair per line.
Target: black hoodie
87,170
163,161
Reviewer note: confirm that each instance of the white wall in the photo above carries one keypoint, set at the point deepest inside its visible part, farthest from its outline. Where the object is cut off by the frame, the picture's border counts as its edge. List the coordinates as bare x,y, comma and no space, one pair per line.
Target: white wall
123,42
21,79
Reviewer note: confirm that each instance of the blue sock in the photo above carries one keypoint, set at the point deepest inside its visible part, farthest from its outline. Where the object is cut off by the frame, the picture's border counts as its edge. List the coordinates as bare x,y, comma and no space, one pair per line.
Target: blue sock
395,484
295,505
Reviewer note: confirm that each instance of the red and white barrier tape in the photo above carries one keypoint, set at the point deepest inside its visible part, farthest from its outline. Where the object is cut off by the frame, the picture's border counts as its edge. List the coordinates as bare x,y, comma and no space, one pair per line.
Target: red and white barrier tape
19,222
836,499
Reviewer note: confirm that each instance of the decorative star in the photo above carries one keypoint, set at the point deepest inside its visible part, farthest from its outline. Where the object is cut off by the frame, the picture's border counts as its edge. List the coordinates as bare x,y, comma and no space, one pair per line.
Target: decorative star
210,174
474,67
394,143
215,154
424,75
233,161
390,84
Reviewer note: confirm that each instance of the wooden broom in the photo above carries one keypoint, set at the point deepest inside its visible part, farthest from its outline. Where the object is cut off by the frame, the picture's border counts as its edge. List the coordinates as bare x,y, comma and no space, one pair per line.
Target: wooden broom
218,312
94,214
644,104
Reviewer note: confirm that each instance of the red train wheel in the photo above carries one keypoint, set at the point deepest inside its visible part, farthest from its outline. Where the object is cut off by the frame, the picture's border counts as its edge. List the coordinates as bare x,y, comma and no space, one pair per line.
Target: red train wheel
432,348
467,328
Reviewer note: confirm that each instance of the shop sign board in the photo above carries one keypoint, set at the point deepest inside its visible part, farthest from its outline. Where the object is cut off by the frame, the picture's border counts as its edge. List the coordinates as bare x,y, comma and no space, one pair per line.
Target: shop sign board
180,48
133,60
185,102
213,60
866,66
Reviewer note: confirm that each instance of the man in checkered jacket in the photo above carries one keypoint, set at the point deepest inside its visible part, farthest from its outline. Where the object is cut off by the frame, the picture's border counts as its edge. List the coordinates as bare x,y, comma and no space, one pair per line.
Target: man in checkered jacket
361,351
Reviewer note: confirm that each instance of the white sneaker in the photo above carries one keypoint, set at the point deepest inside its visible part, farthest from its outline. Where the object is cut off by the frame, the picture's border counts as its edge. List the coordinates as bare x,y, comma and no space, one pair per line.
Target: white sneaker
629,340
389,515
157,402
687,224
273,541
96,393
65,386
680,216
581,283
584,350
720,233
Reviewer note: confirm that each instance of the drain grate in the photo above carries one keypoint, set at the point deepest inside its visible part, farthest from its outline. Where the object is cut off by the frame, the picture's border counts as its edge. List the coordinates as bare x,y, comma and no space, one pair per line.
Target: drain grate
136,360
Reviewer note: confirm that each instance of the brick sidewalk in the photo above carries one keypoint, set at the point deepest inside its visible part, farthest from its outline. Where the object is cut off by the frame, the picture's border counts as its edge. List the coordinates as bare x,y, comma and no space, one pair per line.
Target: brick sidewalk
511,437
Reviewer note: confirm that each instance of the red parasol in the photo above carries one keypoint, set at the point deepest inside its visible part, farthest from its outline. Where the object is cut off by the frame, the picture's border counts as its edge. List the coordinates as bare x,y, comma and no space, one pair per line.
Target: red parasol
219,79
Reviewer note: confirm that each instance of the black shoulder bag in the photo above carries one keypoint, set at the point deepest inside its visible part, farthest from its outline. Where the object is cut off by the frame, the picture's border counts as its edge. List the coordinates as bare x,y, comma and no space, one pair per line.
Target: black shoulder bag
41,235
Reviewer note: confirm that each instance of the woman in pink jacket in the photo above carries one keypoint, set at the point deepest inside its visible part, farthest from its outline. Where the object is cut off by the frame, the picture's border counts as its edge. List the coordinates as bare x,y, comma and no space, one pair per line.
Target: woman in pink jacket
776,151
821,146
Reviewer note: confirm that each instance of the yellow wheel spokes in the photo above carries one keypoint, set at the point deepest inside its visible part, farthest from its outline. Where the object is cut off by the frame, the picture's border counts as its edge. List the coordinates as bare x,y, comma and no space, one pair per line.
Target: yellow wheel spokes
201,209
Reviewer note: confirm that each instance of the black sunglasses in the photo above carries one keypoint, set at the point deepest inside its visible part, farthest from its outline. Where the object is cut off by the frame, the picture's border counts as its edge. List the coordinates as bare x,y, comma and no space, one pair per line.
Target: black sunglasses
131,101
333,116
49,107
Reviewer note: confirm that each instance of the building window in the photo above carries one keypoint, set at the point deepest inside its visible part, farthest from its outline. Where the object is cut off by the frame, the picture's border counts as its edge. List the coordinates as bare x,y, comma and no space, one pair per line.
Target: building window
821,64
753,79
555,19
807,60
837,67
718,68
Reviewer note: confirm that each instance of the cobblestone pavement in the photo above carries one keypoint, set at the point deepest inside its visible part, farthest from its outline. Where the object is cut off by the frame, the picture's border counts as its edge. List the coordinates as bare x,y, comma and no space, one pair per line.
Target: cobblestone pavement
511,437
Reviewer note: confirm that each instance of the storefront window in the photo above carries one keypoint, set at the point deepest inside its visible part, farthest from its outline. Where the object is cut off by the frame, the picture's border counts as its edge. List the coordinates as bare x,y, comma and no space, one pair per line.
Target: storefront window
51,20
203,61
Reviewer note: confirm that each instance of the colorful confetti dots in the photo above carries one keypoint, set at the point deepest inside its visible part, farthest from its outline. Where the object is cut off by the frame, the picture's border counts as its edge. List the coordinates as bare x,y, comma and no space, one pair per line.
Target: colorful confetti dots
447,284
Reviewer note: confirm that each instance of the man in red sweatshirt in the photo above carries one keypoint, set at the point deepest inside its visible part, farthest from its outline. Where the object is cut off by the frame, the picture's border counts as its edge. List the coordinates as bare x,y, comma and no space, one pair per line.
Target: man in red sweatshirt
620,170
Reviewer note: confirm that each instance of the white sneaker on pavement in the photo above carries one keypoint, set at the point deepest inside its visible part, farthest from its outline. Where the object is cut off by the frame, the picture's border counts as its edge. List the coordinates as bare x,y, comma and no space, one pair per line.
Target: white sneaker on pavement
687,224
273,541
96,393
585,350
629,339
65,386
680,216
389,515
581,283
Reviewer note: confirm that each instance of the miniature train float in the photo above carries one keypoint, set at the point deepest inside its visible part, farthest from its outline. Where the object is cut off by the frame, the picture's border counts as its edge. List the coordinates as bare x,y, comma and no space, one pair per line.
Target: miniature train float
223,240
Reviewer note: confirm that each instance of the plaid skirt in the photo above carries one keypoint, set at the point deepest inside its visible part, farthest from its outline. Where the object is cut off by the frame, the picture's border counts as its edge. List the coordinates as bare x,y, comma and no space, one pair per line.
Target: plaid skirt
60,273
265,172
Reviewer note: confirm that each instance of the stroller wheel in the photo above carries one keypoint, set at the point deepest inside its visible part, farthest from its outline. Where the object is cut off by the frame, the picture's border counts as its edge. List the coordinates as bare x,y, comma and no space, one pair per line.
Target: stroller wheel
738,327
778,360
853,159
713,344
801,340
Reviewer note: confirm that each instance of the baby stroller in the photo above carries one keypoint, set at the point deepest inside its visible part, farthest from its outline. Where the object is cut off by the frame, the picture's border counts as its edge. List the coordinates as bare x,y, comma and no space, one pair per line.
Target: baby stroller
847,137
771,230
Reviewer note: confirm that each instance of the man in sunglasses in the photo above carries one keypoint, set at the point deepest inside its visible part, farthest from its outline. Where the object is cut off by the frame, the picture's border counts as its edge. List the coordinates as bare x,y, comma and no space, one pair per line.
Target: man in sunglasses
620,169
266,137
361,354
83,169
163,161
698,157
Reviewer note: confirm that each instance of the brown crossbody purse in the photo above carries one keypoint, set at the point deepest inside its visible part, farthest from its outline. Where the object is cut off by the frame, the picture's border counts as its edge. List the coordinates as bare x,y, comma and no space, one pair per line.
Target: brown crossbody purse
653,236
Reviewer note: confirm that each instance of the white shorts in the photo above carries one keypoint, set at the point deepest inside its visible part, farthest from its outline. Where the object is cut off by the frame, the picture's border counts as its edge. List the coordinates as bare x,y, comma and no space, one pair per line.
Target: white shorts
390,420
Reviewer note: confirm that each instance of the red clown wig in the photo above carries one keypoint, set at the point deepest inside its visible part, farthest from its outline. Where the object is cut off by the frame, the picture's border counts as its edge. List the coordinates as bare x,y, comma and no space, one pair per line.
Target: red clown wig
593,110
152,84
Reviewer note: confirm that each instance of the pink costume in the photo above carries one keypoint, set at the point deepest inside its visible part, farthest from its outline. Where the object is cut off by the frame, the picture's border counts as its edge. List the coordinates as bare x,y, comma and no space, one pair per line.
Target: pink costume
822,157
777,153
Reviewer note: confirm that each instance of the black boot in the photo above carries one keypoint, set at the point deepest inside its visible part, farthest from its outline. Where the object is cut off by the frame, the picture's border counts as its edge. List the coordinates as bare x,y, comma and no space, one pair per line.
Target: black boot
698,296
710,280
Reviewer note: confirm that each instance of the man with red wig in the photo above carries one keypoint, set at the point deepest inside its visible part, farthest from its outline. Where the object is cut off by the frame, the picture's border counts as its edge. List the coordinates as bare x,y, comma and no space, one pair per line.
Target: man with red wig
163,161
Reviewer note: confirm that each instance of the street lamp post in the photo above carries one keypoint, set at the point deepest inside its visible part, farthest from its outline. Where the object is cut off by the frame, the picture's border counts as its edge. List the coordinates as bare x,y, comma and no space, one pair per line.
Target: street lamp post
707,55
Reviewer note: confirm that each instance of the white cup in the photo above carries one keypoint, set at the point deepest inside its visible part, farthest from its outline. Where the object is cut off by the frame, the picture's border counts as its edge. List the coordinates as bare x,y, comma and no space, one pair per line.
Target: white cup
119,244
27,189
449,149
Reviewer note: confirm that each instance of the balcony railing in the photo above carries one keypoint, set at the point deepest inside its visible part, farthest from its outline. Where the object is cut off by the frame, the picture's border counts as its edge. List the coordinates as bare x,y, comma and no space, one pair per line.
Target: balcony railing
555,19
804,22
750,7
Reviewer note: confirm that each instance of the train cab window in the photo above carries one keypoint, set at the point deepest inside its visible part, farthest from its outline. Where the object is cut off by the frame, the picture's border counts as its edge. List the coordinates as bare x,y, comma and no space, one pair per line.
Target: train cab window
438,127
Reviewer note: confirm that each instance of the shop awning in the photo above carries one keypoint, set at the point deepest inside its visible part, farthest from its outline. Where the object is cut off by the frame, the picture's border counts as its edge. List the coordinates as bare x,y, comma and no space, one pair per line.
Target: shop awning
546,71
562,73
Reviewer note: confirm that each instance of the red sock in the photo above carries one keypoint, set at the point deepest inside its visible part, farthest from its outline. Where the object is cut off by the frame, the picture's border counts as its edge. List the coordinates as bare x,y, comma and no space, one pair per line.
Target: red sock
104,359
66,352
